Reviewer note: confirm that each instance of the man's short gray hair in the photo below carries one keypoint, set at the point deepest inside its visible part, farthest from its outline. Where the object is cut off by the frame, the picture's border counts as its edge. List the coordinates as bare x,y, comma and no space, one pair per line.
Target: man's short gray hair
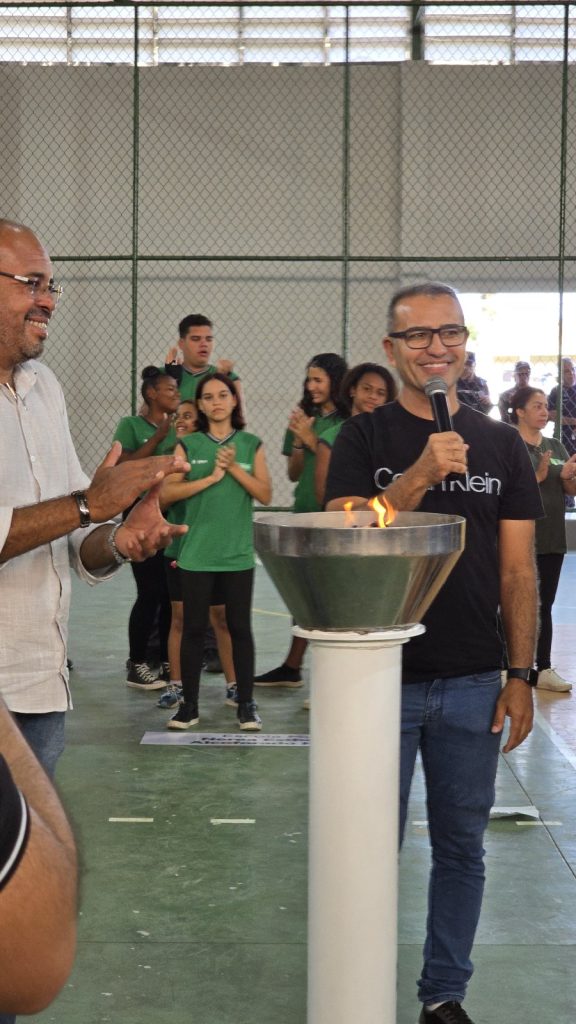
432,289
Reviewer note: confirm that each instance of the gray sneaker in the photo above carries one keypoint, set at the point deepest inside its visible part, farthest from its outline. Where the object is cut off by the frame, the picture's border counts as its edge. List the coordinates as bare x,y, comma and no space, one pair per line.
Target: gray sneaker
231,698
171,697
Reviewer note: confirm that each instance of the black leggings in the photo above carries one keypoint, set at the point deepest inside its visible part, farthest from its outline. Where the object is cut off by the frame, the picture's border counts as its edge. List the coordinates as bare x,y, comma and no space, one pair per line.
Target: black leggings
549,569
152,600
236,594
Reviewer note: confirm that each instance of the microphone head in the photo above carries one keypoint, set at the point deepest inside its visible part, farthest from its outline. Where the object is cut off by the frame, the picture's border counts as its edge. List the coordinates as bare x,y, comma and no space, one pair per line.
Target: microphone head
435,386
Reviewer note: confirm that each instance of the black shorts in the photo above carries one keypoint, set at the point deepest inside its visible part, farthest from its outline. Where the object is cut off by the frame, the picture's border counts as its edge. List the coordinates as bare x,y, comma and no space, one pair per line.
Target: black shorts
173,579
175,585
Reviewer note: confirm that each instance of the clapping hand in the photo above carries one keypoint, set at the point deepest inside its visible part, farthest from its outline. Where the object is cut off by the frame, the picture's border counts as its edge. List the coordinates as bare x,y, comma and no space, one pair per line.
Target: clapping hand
543,466
302,426
569,469
115,487
226,456
224,366
145,530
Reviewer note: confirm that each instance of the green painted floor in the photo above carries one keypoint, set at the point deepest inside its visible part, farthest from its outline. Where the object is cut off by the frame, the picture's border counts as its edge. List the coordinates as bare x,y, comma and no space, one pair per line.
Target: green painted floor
185,920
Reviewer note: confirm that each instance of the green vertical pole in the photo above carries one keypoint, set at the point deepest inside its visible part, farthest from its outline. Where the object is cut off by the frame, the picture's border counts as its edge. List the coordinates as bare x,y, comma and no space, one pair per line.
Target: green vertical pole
416,33
135,197
346,194
562,217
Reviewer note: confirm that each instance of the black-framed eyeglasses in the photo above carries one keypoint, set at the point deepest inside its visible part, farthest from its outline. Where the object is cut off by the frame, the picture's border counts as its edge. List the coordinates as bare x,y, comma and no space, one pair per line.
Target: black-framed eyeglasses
36,286
451,335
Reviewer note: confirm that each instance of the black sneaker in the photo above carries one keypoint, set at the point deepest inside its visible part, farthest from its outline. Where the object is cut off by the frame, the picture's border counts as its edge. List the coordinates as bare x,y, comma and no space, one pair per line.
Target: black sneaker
142,677
448,1013
212,661
248,718
186,716
281,676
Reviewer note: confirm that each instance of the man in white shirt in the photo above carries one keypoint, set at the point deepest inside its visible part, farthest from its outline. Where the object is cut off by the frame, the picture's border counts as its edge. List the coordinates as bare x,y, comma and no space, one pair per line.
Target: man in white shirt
49,510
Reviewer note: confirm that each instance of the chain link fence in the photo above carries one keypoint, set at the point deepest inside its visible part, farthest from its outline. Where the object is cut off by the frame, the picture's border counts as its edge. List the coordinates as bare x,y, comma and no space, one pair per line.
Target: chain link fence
283,169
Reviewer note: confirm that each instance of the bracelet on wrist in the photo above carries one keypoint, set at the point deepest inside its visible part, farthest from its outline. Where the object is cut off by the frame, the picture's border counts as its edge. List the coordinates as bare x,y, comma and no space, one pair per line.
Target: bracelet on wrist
117,555
298,447
81,500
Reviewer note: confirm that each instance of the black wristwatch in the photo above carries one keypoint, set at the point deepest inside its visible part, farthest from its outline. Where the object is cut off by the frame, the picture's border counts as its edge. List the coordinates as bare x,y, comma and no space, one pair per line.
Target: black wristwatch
529,675
82,502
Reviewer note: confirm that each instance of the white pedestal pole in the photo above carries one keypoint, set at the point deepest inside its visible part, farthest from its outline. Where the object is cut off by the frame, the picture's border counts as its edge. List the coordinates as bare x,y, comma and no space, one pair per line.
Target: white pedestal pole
353,845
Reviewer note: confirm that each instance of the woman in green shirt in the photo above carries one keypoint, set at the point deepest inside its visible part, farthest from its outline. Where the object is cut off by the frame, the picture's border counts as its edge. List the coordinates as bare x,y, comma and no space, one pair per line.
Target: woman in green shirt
141,436
556,473
227,471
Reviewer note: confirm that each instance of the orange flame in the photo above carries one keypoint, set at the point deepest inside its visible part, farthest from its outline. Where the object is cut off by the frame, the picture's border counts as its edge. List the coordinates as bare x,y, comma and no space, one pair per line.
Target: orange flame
384,510
349,517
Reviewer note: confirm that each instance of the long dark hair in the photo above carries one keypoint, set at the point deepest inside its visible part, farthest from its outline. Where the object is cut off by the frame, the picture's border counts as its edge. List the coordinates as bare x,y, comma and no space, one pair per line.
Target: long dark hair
335,366
237,419
520,399
355,375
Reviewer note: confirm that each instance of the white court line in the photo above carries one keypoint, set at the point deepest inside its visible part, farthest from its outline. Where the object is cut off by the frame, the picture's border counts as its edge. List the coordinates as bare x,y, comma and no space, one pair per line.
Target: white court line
555,738
142,821
232,821
280,615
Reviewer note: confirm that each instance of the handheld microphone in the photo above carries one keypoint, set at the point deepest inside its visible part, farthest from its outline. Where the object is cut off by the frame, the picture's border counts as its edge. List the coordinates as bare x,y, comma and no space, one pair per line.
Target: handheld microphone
436,389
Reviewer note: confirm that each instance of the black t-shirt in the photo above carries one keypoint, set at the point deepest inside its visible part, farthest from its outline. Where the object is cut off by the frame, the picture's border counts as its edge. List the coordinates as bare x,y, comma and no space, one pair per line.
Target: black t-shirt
14,824
372,449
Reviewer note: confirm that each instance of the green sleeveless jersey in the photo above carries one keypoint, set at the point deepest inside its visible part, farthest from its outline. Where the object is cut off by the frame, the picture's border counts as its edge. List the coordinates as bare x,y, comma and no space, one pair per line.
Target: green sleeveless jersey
220,534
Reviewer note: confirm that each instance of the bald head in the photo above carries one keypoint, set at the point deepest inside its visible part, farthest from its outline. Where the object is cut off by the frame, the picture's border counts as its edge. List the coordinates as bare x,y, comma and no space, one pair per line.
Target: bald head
25,311
14,235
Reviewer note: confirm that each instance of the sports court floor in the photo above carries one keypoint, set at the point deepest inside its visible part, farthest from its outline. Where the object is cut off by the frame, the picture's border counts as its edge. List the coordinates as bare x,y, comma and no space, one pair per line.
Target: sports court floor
193,903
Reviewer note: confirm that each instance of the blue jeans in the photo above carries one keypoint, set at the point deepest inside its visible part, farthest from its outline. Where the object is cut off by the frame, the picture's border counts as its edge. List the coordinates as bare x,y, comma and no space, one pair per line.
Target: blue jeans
7,1018
45,734
450,720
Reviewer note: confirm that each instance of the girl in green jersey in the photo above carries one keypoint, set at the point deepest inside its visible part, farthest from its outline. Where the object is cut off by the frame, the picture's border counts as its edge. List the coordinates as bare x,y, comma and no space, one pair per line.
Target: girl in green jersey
141,436
227,471
319,410
364,388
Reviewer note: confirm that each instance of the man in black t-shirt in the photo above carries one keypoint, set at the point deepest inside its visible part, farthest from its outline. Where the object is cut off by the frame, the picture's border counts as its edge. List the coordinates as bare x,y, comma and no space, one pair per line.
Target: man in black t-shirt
453,707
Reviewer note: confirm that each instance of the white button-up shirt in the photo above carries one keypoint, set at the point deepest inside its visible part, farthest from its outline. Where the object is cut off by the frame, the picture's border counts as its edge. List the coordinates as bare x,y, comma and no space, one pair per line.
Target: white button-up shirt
37,462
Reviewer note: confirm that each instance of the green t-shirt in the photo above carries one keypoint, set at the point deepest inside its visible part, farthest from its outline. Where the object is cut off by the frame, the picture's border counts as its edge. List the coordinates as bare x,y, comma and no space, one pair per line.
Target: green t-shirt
304,492
188,382
134,431
329,436
551,531
220,534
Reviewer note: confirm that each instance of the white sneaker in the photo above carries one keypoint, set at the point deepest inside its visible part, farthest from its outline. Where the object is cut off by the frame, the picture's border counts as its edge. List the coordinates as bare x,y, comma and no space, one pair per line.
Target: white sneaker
549,679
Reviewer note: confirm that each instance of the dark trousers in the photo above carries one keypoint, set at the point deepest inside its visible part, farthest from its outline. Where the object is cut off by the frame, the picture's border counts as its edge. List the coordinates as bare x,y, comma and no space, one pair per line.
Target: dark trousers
152,600
235,591
549,569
